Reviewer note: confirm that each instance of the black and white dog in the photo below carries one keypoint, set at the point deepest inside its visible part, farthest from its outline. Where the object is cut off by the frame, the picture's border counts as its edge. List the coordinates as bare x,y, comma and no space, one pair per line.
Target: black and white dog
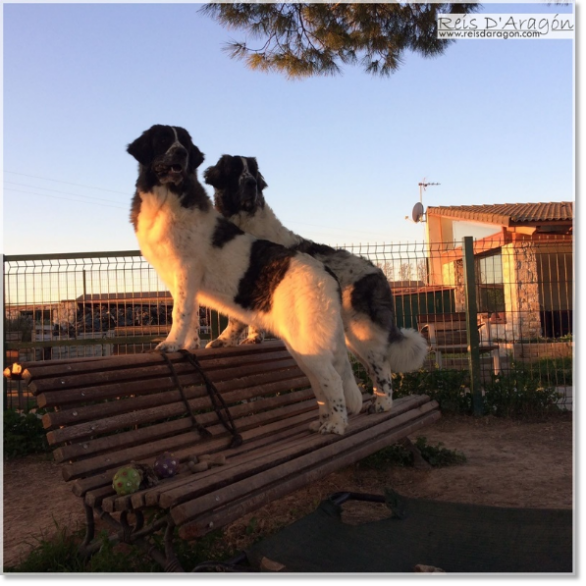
202,257
368,308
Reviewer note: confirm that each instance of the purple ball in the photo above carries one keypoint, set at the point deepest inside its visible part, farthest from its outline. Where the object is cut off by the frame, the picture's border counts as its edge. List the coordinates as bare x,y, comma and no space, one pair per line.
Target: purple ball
166,465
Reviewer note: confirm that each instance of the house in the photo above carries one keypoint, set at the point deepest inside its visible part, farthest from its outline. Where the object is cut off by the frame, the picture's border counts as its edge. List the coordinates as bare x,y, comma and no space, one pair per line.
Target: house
524,264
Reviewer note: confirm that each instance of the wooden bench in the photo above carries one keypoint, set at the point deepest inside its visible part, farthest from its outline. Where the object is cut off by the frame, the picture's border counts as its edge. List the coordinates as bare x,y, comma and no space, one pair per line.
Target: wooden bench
104,413
446,332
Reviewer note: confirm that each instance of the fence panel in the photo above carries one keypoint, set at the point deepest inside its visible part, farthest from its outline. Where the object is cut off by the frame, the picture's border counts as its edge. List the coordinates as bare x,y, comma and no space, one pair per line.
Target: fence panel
96,304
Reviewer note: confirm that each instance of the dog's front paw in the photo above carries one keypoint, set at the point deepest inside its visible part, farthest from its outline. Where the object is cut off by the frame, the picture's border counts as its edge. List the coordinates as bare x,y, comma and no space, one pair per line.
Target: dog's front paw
167,346
217,343
381,404
333,426
252,340
314,426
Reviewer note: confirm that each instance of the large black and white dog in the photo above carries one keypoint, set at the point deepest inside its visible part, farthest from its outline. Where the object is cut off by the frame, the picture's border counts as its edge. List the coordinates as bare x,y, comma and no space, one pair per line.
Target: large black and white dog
368,308
202,257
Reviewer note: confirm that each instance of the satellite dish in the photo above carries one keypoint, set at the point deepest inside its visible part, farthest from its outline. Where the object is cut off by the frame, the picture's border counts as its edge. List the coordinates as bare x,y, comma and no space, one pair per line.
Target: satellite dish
417,213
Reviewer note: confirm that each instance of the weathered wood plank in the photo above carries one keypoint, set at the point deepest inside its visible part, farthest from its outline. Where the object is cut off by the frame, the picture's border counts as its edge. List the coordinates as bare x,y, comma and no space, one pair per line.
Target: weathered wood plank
71,397
232,391
311,449
215,518
189,437
56,368
218,366
89,447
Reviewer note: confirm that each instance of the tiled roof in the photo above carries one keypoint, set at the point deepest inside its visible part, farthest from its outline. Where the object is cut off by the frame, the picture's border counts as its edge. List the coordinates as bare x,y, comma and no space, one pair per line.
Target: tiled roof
507,214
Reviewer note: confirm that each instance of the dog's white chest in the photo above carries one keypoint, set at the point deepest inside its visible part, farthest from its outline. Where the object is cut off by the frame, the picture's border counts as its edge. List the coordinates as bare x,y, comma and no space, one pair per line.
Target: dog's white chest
161,234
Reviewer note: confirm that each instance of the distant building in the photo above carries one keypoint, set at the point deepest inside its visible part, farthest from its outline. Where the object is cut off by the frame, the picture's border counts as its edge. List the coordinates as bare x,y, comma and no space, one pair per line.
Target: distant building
524,263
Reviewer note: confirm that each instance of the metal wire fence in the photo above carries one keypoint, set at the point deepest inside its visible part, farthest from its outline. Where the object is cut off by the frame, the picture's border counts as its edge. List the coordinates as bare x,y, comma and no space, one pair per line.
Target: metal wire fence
518,295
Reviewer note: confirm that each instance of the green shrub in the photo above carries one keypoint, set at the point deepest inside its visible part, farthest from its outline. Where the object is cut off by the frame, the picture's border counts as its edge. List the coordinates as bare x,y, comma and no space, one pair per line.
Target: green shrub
23,434
518,394
438,456
397,455
527,390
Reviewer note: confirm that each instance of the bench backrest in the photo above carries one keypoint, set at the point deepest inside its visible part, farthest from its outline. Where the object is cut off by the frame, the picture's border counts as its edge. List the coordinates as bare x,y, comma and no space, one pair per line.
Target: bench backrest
104,413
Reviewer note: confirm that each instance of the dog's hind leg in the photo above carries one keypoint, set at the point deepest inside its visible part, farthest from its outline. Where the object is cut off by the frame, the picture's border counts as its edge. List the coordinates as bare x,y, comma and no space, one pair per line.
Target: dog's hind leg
380,373
352,393
329,392
230,336
373,358
255,336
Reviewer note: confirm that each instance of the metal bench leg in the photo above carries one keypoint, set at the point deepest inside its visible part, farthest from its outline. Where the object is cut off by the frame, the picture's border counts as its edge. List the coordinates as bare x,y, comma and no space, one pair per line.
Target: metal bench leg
438,359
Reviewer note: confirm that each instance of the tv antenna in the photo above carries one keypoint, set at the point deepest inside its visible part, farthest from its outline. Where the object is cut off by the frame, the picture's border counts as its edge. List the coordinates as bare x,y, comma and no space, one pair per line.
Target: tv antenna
418,212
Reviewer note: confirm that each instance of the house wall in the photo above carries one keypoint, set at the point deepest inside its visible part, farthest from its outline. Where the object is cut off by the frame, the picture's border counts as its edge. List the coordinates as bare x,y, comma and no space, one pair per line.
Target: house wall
521,288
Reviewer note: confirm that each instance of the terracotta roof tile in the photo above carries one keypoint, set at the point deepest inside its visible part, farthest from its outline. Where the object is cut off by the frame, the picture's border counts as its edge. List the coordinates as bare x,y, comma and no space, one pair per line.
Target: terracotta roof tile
509,213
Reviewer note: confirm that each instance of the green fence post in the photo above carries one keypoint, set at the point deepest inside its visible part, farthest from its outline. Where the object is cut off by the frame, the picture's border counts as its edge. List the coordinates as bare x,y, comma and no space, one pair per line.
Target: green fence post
472,325
218,324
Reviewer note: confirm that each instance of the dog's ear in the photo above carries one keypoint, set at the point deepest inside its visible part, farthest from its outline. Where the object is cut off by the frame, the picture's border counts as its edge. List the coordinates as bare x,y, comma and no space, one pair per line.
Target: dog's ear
211,176
196,158
215,175
260,181
141,149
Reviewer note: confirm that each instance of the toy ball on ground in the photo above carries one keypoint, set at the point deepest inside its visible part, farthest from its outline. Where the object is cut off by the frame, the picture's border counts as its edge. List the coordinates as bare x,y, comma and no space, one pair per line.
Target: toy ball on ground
127,480
166,465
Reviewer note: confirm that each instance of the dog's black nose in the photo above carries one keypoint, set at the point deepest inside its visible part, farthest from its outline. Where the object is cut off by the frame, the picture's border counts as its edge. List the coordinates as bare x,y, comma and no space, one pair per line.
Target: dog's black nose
178,151
250,182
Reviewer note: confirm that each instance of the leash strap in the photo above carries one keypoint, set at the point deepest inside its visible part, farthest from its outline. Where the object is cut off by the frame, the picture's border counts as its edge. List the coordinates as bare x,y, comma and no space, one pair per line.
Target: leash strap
216,399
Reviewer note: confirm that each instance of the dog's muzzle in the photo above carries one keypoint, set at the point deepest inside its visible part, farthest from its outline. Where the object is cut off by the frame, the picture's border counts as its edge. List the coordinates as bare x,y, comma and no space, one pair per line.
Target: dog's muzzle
248,193
172,166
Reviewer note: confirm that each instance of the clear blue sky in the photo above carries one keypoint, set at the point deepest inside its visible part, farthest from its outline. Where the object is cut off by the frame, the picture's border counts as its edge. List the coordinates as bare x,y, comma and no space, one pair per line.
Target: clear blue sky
492,121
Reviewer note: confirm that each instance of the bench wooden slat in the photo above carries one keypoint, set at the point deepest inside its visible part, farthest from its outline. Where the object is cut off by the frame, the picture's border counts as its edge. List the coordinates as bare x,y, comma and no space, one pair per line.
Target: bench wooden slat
159,412
84,486
71,366
175,442
221,368
109,443
324,448
222,516
150,497
167,405
294,422
75,396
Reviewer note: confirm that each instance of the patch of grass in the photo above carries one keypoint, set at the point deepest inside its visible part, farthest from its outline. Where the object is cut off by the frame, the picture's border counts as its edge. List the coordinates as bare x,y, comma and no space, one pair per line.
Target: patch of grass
60,553
397,455
438,456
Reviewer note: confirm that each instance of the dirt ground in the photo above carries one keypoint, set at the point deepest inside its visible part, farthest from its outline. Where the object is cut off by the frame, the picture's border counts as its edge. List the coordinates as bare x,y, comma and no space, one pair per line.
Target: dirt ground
509,464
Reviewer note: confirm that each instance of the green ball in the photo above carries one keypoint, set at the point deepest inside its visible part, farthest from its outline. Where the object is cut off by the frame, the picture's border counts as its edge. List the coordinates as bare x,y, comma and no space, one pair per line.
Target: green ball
127,480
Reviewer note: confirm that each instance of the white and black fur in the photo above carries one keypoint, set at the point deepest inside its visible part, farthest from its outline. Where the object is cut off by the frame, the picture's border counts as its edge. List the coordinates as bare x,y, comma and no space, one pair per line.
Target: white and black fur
202,257
368,308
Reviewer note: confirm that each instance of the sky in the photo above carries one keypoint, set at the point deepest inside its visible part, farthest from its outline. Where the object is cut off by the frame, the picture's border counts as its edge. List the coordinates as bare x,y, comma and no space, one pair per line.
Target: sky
490,121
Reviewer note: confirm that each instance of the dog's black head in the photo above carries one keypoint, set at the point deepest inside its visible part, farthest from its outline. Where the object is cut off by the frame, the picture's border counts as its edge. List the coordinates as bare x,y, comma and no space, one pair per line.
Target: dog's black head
238,185
167,156
166,153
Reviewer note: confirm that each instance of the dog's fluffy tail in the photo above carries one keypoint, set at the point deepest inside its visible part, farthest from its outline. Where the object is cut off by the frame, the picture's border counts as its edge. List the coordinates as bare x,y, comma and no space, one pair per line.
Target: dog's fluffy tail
408,352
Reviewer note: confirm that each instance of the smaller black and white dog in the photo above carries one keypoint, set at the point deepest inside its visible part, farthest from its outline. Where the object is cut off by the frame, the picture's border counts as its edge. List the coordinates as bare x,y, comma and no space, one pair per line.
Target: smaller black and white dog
367,301
202,257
